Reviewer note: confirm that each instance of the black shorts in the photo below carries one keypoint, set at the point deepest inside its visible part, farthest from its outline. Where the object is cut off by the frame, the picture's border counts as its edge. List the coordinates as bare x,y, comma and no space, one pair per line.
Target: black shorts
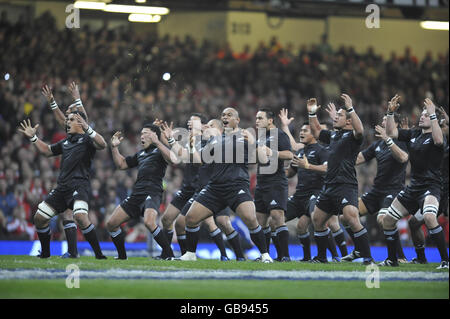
301,204
334,198
63,197
135,205
376,199
270,197
181,197
218,197
224,212
412,196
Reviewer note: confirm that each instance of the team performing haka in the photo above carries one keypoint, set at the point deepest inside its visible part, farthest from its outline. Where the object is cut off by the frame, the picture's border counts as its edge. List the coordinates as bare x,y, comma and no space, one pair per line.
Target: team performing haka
216,156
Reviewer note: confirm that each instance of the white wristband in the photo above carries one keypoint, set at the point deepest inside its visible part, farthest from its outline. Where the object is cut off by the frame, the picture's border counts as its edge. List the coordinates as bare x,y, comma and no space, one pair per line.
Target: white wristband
389,142
78,103
34,139
53,105
171,141
91,132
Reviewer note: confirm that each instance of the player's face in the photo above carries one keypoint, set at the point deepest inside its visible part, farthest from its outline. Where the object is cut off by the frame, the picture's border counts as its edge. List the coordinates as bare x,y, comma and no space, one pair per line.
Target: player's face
305,134
72,126
261,120
229,118
424,121
145,137
340,121
383,123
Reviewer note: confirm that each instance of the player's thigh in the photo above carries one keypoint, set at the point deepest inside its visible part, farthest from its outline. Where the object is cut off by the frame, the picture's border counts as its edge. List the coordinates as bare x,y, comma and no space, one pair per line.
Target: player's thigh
395,212
263,219
80,213
430,210
169,216
303,223
150,216
277,217
196,213
118,217
333,223
319,219
246,211
224,222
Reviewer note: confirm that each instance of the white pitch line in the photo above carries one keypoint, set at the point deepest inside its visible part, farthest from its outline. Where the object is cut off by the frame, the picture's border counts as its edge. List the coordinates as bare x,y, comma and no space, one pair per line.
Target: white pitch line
222,275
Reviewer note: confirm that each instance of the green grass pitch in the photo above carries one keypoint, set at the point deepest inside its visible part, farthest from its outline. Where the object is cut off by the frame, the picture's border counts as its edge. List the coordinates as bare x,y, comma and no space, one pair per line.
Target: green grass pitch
163,286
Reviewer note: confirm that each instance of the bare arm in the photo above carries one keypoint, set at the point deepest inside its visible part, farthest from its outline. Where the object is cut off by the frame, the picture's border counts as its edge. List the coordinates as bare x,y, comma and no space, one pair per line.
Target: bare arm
436,131
77,104
360,159
30,132
285,121
391,128
290,172
399,154
313,121
165,152
358,128
59,115
303,163
118,159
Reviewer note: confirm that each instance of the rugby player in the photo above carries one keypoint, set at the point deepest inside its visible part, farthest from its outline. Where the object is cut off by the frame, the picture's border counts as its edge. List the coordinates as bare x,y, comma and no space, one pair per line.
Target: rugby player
416,221
73,184
340,194
146,195
228,185
426,146
271,191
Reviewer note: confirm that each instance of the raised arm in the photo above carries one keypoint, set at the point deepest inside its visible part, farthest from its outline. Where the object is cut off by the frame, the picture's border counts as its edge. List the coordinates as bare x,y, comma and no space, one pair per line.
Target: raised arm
77,104
285,122
391,127
30,132
97,139
178,152
358,128
59,115
399,154
436,131
118,159
166,153
314,124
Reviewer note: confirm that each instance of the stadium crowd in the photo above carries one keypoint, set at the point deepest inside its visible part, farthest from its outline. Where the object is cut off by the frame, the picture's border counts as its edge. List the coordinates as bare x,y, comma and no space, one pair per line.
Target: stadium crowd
120,77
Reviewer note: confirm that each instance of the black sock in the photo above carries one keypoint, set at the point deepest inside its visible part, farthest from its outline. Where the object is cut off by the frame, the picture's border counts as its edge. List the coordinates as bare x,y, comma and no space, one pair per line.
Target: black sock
391,242
218,240
182,243
339,238
162,241
44,238
169,235
305,241
91,236
258,238
276,243
118,238
400,253
192,238
437,235
70,229
267,235
349,231
332,245
321,238
420,251
362,243
234,241
283,240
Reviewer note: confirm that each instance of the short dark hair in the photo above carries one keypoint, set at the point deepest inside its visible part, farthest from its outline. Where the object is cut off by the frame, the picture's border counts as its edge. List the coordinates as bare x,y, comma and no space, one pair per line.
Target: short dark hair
202,118
81,114
269,113
347,115
154,128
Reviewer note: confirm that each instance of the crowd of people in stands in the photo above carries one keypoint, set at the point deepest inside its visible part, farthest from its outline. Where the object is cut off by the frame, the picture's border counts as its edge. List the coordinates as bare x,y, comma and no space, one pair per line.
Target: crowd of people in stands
119,73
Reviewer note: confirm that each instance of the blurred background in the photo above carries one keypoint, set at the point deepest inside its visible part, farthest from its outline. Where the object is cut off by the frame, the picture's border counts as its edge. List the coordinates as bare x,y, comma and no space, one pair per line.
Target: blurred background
134,63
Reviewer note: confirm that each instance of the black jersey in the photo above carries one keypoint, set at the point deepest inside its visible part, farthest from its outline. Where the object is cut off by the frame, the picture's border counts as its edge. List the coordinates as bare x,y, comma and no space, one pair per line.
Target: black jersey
204,170
232,166
444,168
190,176
344,149
77,151
151,170
390,172
425,157
308,179
284,144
